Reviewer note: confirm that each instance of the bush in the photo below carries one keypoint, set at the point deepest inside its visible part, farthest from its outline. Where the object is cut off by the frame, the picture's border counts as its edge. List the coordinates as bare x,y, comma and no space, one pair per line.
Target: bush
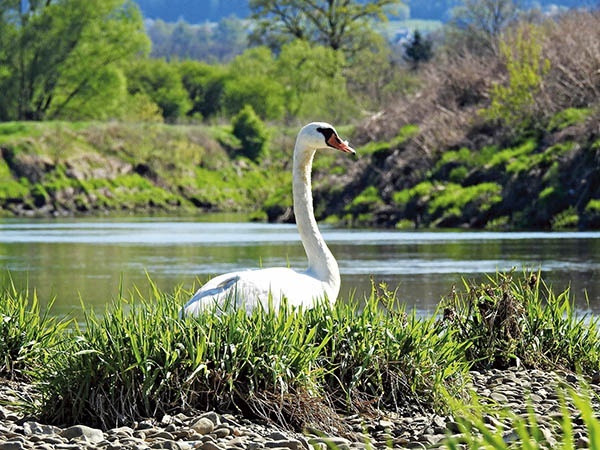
251,132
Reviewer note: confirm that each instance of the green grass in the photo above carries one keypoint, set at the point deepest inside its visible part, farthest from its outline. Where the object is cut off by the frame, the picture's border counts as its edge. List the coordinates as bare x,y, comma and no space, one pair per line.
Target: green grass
297,367
28,335
139,359
568,117
512,320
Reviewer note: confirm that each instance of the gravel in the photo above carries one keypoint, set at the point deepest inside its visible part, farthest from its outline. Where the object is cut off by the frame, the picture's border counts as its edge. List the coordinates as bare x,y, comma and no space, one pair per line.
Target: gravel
520,391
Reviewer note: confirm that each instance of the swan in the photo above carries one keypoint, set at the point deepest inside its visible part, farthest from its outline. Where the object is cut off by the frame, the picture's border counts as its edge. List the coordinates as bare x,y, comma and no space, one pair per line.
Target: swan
268,287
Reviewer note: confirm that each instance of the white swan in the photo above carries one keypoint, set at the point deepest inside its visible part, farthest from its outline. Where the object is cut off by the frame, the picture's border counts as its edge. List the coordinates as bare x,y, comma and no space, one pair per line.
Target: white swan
250,288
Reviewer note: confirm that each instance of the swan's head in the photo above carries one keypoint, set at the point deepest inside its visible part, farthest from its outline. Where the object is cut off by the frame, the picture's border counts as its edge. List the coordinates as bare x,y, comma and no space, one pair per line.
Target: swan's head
321,135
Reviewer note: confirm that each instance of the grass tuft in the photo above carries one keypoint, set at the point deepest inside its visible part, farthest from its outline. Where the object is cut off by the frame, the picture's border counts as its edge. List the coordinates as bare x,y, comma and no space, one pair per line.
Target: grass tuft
140,360
512,321
27,334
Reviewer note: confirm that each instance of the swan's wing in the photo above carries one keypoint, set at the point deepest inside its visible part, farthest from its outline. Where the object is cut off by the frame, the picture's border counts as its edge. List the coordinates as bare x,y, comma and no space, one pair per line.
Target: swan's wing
250,288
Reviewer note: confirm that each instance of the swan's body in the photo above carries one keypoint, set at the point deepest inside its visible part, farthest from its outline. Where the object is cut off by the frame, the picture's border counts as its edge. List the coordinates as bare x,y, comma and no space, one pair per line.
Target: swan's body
268,287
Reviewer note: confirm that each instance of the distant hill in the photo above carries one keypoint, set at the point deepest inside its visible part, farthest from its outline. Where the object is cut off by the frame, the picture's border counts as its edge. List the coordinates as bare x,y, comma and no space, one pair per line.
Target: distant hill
199,11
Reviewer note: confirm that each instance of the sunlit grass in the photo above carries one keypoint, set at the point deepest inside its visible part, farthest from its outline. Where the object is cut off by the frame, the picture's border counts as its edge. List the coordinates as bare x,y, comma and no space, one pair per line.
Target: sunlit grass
139,359
300,368
513,320
28,334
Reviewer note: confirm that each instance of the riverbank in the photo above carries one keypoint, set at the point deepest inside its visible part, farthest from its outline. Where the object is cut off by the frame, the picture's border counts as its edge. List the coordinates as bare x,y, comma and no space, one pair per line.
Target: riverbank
544,181
505,398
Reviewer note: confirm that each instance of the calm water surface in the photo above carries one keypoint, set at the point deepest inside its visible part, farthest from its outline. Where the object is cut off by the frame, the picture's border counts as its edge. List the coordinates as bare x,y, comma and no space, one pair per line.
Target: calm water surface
90,259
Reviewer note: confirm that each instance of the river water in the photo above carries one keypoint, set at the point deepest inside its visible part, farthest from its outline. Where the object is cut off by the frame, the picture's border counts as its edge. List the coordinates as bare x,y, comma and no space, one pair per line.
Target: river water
87,261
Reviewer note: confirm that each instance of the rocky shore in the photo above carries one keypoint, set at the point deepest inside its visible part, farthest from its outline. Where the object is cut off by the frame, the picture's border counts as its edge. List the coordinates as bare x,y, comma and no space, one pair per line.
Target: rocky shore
516,390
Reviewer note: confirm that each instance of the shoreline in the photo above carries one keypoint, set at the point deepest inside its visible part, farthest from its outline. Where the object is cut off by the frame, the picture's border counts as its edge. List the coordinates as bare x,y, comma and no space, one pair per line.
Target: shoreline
498,391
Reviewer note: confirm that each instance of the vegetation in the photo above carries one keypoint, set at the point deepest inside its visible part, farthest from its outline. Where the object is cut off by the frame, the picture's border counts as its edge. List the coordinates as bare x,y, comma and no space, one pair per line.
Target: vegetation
492,125
339,26
65,59
299,368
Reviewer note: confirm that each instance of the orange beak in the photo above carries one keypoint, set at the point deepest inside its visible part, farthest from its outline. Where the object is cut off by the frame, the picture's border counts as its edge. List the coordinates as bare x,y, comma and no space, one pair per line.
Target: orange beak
335,142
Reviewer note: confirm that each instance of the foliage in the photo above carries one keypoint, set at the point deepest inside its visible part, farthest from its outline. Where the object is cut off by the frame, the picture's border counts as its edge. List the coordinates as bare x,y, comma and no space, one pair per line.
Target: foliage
418,50
160,82
363,205
205,85
568,117
520,321
251,82
337,25
319,85
201,42
448,203
514,104
480,23
61,56
251,132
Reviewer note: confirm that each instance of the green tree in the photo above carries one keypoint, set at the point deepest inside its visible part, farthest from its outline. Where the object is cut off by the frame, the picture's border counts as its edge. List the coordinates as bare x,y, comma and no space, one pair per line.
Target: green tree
252,82
161,82
314,83
514,103
205,85
418,50
57,52
251,132
338,24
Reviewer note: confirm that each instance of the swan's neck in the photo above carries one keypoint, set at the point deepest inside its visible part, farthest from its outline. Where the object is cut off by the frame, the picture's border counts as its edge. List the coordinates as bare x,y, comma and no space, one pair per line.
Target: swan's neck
321,262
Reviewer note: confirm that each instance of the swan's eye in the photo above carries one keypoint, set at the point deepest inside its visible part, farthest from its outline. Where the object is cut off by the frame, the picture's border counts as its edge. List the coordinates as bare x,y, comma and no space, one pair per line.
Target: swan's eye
327,133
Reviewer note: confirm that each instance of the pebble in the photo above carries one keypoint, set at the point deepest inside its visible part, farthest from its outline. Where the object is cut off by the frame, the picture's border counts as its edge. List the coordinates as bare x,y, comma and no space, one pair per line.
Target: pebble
518,390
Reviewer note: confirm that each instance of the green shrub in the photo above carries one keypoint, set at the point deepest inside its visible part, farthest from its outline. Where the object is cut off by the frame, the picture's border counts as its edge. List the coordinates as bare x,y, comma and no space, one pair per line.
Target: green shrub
251,132
515,104
567,219
568,117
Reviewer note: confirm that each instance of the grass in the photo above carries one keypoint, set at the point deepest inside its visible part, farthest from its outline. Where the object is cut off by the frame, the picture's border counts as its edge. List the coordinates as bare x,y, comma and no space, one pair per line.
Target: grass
139,359
28,335
520,321
300,368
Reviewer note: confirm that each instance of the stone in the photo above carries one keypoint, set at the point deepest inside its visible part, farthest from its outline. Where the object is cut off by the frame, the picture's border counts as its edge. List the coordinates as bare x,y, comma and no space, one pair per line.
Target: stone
37,428
203,425
11,445
292,444
83,433
209,445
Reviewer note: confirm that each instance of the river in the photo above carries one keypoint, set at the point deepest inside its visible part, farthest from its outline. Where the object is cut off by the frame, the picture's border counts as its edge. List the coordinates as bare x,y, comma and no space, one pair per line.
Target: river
88,260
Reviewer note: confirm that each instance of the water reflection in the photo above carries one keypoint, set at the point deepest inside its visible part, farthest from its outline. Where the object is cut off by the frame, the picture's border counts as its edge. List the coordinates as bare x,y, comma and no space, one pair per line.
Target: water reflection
91,259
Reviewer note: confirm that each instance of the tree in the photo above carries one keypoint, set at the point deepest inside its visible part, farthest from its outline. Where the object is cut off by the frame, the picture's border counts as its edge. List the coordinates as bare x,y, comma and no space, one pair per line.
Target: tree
251,132
480,22
252,82
338,24
314,83
58,51
161,82
205,85
418,50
